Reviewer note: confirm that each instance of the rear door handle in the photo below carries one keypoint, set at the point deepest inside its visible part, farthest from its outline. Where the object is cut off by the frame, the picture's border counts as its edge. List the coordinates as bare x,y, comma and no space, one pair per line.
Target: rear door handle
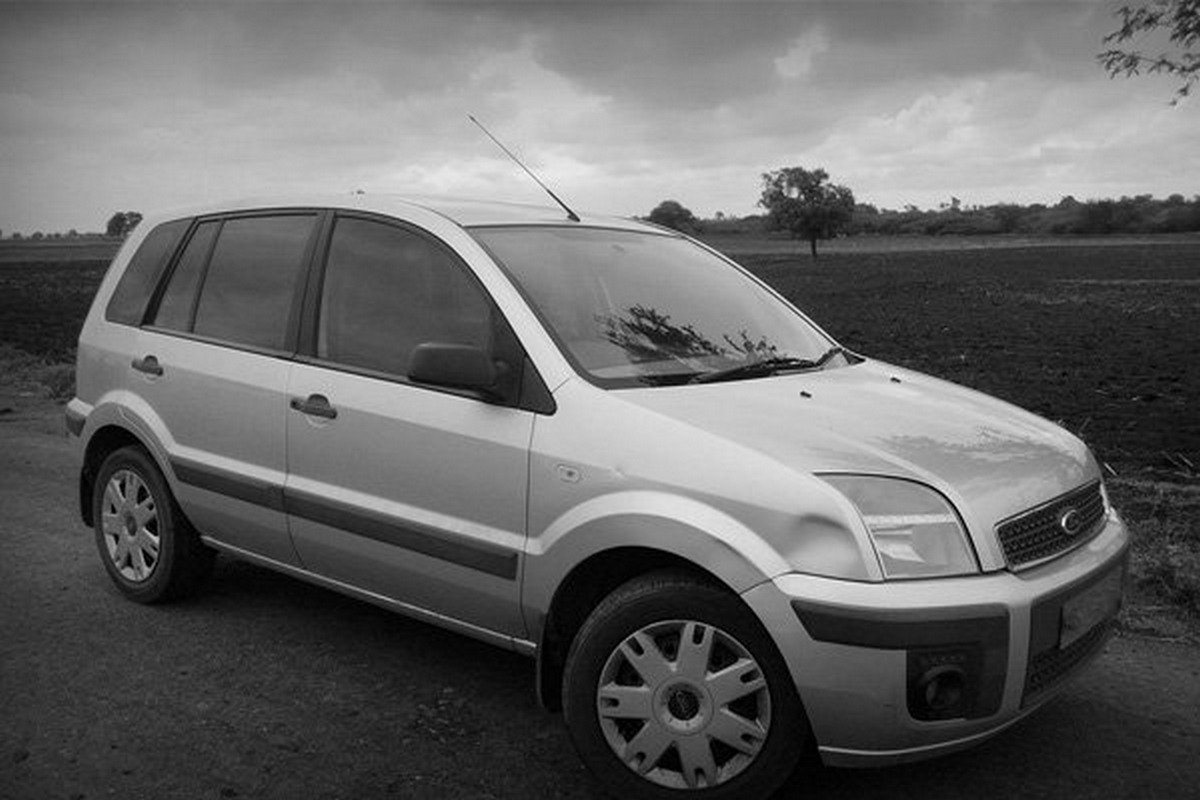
316,405
149,365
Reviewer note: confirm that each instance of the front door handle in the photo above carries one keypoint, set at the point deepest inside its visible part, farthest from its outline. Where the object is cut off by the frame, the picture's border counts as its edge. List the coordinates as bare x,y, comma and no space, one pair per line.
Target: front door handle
316,405
149,365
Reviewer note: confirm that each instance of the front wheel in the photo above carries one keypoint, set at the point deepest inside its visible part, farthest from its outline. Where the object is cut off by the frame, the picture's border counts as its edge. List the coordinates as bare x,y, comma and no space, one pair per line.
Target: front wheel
673,688
148,547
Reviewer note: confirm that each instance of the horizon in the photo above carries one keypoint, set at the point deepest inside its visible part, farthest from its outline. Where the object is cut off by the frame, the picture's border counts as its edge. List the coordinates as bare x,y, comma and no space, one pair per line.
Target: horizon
754,215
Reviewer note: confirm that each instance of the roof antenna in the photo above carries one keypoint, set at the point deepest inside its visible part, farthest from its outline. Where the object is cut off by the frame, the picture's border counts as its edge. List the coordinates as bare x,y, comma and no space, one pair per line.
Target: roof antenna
571,215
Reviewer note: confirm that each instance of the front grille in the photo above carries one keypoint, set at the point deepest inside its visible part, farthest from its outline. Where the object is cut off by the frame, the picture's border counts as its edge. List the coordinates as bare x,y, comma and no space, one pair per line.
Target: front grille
1048,668
1037,534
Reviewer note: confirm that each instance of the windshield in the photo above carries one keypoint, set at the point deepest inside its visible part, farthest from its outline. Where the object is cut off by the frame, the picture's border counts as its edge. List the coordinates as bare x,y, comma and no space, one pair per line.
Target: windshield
633,308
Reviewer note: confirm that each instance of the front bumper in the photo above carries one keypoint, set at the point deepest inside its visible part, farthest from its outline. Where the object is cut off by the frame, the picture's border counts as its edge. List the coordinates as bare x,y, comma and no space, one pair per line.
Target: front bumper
858,651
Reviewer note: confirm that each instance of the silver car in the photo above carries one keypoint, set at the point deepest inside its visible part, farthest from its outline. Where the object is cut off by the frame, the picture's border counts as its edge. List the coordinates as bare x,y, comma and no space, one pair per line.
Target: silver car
725,539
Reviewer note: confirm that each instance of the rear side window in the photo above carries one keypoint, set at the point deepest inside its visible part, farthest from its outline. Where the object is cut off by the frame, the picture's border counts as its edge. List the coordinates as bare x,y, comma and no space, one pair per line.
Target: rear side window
129,299
386,290
246,294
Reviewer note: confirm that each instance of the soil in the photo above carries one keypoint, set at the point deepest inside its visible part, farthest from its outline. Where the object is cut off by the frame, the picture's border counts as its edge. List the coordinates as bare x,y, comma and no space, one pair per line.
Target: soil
1103,339
265,687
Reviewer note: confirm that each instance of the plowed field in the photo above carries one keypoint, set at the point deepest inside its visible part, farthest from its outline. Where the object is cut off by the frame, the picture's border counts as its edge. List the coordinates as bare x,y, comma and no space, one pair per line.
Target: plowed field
1103,337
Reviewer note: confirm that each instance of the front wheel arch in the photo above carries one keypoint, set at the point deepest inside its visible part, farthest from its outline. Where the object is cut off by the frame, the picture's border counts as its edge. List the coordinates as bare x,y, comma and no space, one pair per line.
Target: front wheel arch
677,604
580,592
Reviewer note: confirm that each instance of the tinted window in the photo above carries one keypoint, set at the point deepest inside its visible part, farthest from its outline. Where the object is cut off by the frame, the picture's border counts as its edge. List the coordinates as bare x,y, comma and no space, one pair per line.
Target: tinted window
133,291
635,308
175,308
251,279
387,290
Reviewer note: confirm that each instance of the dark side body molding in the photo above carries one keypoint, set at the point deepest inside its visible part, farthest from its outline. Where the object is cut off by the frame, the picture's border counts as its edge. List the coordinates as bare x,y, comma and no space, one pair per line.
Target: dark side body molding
490,559
260,493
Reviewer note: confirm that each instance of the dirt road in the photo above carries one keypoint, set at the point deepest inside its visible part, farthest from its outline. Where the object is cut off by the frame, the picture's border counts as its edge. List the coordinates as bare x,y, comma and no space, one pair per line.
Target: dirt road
267,687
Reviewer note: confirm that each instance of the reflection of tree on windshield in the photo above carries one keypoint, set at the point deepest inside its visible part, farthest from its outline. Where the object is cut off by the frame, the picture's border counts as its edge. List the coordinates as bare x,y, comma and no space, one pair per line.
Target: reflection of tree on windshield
645,334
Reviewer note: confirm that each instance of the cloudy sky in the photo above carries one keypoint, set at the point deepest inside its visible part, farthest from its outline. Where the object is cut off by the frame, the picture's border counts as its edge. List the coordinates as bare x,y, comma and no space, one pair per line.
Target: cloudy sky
617,105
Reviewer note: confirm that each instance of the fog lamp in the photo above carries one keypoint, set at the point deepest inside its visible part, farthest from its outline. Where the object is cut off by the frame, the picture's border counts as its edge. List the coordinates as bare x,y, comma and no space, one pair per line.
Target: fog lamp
943,683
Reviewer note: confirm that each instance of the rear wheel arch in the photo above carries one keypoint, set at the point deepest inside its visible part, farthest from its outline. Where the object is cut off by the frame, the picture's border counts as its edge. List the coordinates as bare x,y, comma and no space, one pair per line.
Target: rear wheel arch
147,546
101,445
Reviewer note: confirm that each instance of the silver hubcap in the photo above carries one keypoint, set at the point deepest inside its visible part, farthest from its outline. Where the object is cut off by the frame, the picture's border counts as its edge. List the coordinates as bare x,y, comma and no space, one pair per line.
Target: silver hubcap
683,704
129,521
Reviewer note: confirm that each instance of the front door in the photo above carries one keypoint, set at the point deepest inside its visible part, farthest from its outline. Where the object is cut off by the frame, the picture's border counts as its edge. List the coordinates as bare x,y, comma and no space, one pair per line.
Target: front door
412,493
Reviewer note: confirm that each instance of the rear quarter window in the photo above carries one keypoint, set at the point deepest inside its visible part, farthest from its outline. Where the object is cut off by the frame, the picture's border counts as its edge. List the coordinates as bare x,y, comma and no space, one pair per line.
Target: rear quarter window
127,305
179,298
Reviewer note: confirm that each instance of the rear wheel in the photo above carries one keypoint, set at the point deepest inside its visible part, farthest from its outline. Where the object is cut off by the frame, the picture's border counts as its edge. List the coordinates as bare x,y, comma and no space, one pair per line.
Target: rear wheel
674,689
148,547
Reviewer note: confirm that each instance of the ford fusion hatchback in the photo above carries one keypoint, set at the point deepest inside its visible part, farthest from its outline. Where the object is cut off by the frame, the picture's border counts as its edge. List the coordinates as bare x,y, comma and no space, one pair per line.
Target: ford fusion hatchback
725,539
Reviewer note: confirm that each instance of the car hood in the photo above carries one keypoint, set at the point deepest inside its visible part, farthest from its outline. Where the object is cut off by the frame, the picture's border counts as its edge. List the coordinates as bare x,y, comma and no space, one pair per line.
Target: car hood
990,458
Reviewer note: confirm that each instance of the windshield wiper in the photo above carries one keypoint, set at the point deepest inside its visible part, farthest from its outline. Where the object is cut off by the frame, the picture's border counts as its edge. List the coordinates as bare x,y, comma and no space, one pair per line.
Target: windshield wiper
766,366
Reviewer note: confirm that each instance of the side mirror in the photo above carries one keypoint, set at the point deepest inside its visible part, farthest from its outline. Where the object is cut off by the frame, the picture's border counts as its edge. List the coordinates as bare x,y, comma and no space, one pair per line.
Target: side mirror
458,366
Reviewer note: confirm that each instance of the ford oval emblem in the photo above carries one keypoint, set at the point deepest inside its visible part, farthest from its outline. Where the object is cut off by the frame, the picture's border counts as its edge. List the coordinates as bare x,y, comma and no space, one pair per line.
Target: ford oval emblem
1070,522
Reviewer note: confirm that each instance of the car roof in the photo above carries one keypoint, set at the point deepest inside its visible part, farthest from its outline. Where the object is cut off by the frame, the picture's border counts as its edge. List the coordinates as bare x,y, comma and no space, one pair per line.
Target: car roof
464,212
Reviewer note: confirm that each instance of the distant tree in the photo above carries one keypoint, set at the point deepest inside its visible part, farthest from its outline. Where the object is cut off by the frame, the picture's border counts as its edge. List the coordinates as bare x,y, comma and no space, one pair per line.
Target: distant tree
1099,216
672,214
801,202
1008,216
122,223
37,236
1179,19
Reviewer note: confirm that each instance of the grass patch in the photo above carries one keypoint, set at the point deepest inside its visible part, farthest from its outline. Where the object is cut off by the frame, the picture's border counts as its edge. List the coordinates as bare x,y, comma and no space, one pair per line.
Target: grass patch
1164,521
28,375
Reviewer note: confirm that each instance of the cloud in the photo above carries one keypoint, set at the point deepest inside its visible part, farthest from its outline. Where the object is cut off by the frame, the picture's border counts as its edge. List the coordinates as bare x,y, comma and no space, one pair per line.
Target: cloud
616,105
797,62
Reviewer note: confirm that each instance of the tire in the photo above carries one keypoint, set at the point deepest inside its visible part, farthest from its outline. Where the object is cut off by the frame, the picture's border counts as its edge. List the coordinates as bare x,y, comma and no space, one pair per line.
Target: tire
654,717
148,547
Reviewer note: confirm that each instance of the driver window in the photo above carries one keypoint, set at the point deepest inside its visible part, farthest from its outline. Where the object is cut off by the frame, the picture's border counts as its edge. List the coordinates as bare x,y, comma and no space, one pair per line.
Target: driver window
388,289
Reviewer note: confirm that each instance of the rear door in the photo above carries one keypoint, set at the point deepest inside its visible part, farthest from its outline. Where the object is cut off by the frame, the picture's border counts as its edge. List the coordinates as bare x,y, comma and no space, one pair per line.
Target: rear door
412,493
214,366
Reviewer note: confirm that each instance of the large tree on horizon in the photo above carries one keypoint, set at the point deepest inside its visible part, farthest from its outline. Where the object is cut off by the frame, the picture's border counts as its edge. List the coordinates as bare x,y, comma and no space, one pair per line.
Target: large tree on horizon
122,222
673,214
803,203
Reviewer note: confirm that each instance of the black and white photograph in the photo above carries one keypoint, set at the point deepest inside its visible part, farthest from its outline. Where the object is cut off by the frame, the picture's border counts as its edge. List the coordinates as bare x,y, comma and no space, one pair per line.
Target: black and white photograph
646,399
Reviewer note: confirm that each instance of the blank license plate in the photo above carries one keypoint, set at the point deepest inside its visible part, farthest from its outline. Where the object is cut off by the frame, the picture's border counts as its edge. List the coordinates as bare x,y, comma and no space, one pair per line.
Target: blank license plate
1087,609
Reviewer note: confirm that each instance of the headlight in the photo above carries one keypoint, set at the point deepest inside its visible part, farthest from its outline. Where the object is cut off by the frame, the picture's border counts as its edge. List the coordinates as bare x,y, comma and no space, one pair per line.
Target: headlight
915,531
